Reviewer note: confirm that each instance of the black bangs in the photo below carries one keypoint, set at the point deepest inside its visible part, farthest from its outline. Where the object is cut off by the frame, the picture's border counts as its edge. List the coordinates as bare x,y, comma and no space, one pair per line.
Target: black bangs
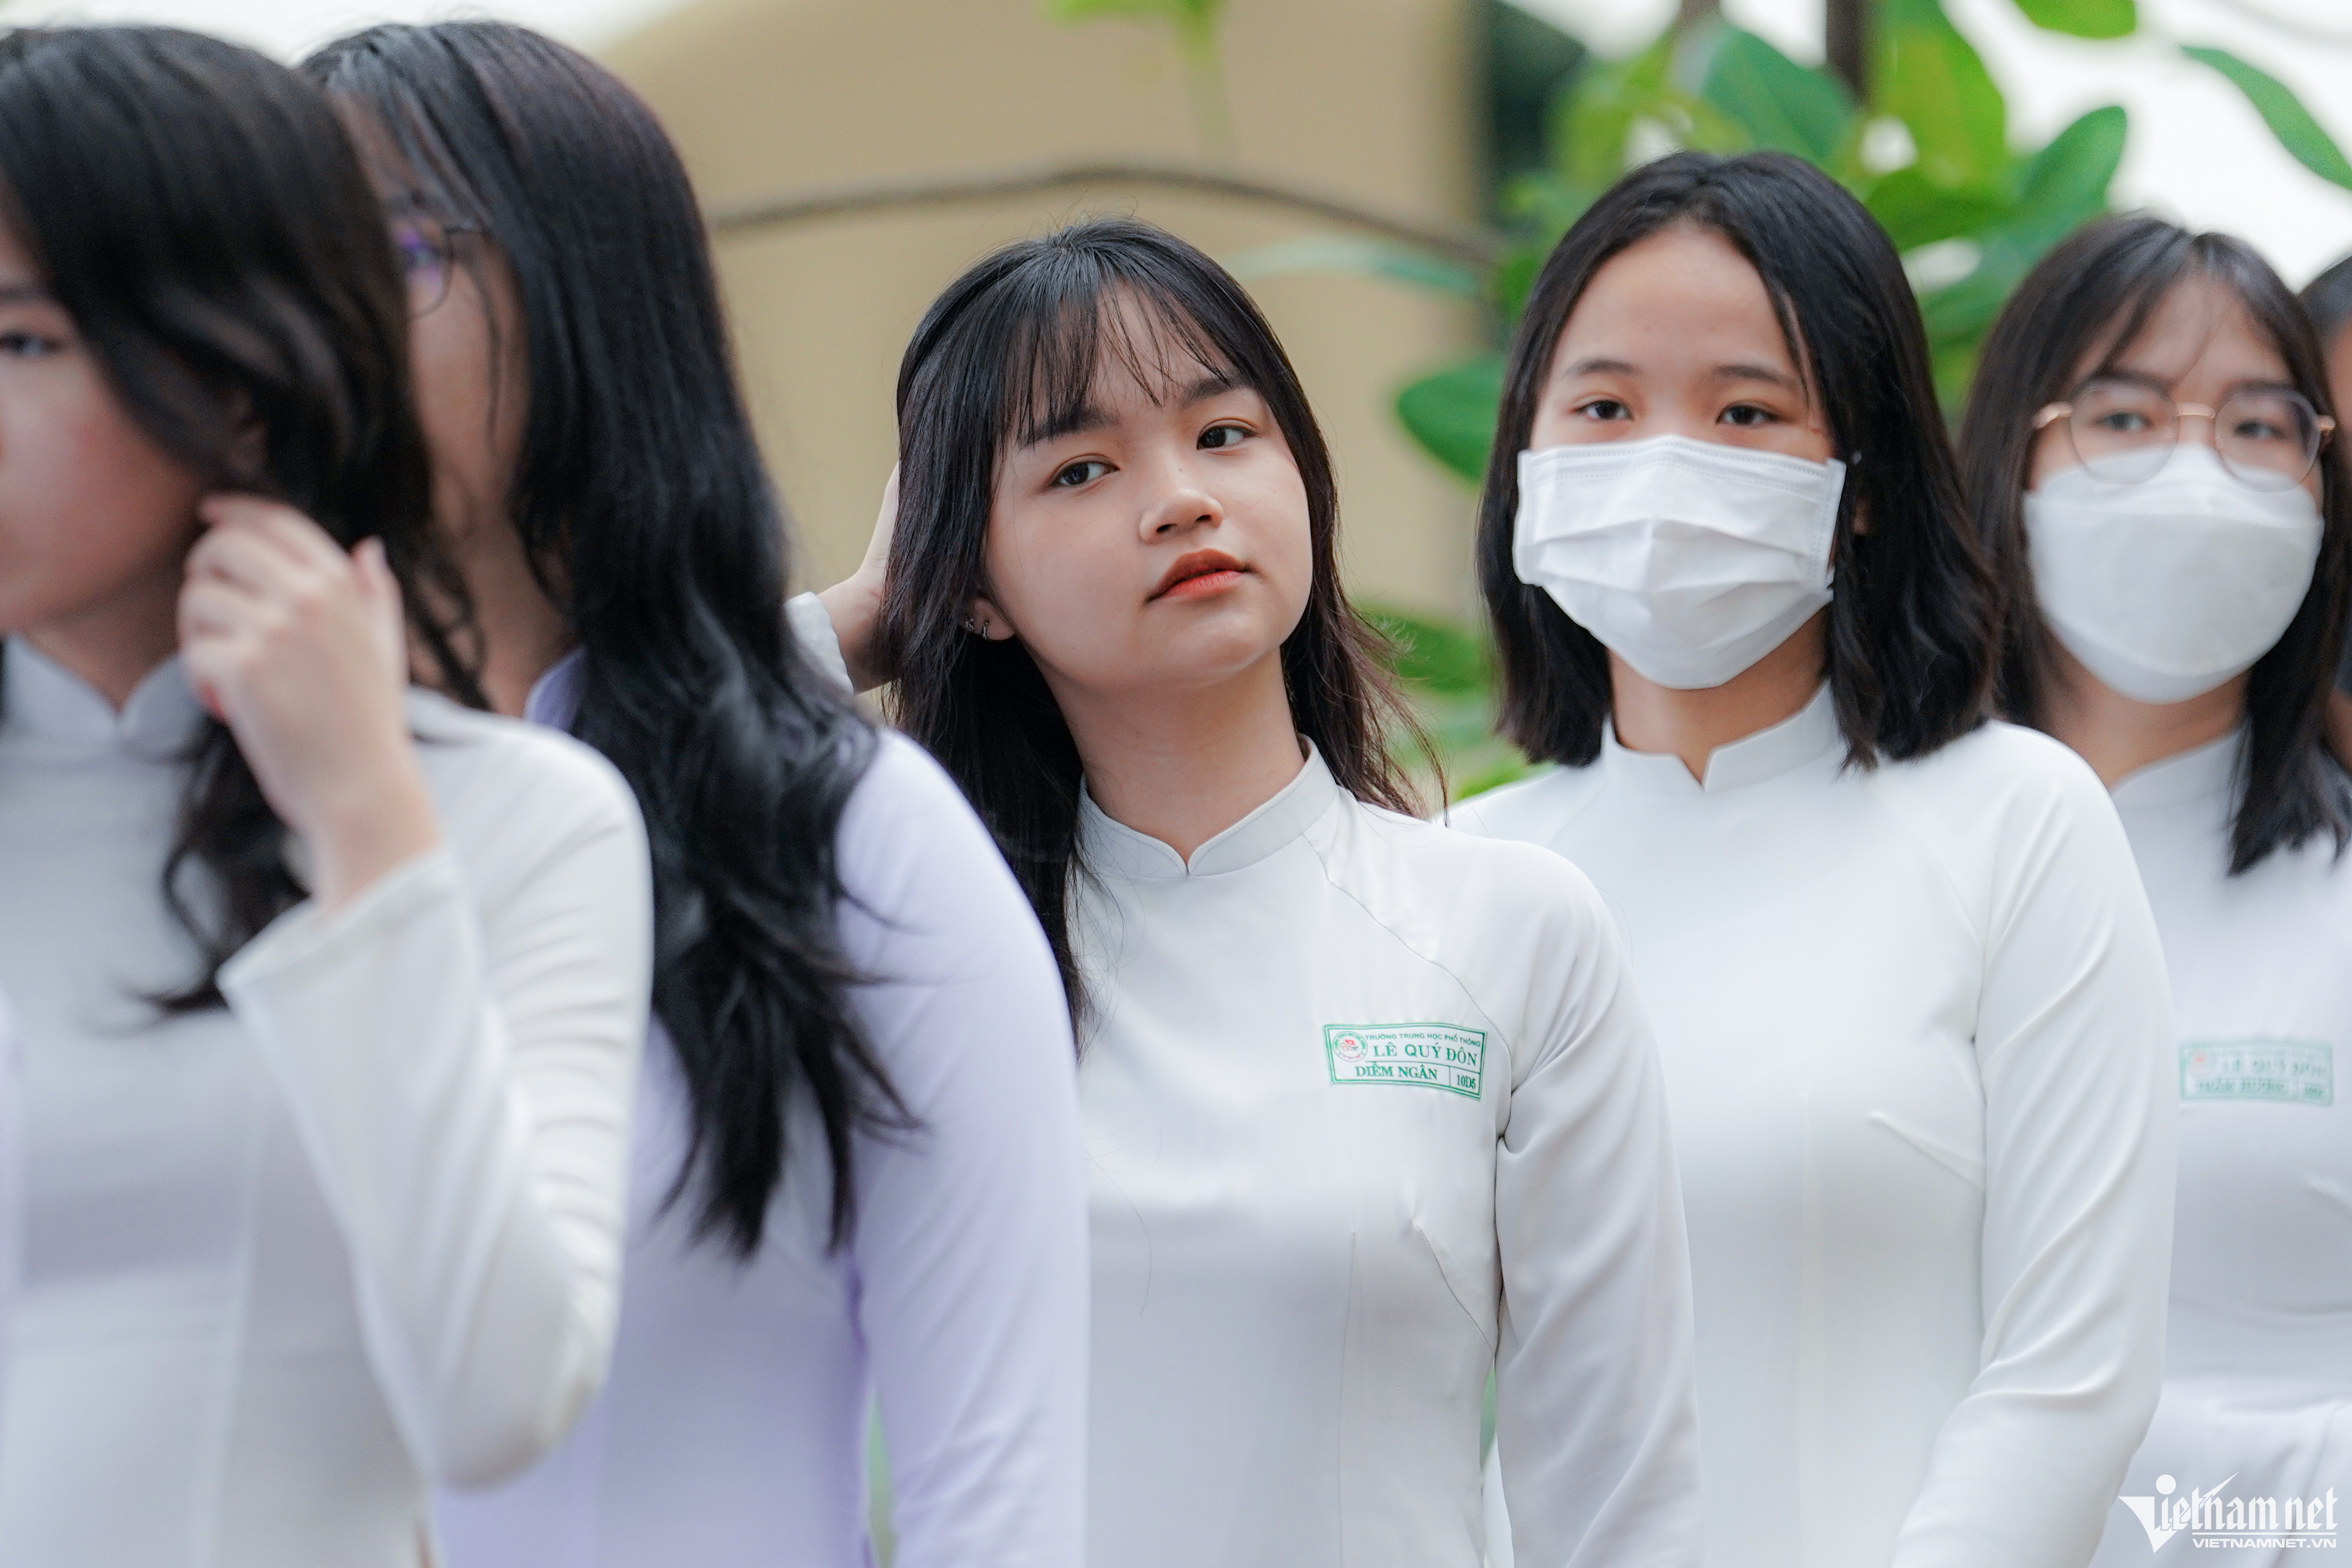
1058,362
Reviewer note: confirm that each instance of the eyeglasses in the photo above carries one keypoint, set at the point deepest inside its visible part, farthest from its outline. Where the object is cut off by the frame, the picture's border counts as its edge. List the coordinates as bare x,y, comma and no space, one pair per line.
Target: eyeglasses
2123,432
426,258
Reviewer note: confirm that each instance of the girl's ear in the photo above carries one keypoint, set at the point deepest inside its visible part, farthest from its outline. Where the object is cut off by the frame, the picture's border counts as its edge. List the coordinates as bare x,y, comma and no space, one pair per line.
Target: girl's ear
986,620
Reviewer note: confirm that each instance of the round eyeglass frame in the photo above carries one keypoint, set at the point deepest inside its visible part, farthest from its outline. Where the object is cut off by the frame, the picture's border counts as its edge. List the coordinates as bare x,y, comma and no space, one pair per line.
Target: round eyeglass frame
2323,430
435,235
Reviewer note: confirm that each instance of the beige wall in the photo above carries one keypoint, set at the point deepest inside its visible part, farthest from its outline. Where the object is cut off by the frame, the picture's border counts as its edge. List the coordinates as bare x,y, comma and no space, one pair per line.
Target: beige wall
1366,98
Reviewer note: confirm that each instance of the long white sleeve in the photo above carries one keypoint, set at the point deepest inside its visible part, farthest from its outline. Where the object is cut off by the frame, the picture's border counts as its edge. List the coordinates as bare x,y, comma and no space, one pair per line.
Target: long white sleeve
458,1049
2073,1042
812,627
1594,1413
971,1246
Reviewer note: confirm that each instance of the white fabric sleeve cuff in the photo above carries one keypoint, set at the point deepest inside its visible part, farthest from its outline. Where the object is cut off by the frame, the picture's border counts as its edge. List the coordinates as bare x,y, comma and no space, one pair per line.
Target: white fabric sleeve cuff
812,627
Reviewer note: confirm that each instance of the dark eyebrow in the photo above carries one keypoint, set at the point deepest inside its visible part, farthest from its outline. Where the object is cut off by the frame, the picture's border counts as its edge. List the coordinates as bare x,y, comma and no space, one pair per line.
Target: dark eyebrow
2117,373
22,293
1598,364
2157,383
1764,373
1216,383
1075,421
1086,416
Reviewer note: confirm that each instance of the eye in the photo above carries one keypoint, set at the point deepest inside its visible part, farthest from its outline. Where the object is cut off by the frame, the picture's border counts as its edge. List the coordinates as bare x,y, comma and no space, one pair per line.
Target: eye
22,344
1217,438
1748,416
1605,409
2124,421
1085,471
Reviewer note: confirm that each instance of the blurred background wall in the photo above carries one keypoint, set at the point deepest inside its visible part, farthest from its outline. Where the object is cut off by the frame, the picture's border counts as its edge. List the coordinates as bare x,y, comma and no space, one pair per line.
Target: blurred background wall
1379,101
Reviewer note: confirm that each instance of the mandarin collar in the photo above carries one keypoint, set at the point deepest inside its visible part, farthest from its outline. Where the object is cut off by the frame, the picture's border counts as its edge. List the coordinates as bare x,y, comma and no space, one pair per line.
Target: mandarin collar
43,698
1806,736
554,699
1113,847
2206,775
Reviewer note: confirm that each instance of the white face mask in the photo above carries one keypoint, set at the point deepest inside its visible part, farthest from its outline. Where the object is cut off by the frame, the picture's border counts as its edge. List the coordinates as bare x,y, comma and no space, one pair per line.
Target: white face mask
1688,560
2166,588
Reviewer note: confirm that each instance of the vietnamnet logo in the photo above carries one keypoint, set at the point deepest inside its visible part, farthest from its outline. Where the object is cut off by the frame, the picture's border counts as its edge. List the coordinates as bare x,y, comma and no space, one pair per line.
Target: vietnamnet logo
2211,1521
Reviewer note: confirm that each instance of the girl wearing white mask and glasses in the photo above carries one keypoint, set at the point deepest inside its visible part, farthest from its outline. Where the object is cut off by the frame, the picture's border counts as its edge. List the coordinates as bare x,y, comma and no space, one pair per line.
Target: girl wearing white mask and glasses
1909,996
2151,464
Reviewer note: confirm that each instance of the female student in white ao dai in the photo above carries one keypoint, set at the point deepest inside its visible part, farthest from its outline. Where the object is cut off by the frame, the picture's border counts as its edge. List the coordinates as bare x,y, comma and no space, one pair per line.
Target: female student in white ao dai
1369,1107
328,992
2151,464
857,1180
1909,998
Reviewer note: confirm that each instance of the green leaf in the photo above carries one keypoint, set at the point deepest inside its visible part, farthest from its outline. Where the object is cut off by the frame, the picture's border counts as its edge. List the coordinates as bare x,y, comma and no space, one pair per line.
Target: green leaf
1779,104
1452,413
1916,211
1514,277
1358,256
1932,79
2065,184
1433,657
2083,18
2292,123
1509,769
1594,116
2062,187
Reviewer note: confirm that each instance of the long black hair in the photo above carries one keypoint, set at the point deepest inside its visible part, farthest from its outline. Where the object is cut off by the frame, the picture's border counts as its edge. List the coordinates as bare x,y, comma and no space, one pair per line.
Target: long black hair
198,212
1911,623
2328,298
1010,349
648,516
2087,302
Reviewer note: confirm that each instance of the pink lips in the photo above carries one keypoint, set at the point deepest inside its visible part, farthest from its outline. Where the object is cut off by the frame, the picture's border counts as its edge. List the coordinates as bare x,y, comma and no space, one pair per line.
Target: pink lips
1199,574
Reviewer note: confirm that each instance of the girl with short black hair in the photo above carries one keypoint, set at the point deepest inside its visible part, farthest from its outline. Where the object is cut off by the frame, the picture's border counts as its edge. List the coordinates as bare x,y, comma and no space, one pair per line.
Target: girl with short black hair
1909,997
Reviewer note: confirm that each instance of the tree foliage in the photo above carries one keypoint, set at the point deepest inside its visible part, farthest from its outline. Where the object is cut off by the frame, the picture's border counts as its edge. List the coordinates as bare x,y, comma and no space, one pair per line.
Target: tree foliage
1929,155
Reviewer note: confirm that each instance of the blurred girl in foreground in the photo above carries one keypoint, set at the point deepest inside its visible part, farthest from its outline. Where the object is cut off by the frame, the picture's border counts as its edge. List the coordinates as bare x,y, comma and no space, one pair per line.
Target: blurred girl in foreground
329,991
857,1169
2153,466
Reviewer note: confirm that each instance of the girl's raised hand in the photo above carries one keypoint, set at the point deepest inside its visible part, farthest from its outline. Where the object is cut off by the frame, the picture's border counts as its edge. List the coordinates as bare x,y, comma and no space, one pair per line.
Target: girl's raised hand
855,604
302,650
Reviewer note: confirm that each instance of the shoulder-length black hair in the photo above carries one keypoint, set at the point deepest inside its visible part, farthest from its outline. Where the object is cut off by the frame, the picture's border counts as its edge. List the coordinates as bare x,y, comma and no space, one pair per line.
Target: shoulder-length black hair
2084,306
647,515
198,212
1012,349
1911,623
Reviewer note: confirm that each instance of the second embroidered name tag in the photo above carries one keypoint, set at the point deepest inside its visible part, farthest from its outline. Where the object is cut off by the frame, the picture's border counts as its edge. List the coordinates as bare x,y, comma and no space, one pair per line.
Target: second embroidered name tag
2296,1072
